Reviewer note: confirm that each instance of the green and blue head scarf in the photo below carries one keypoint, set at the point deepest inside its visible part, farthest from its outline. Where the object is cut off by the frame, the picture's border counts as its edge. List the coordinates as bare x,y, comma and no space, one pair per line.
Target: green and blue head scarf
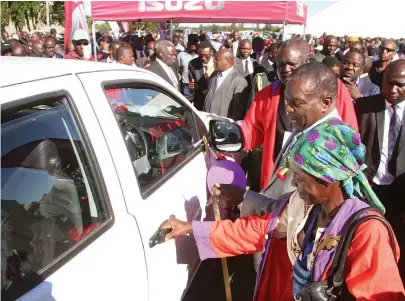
332,151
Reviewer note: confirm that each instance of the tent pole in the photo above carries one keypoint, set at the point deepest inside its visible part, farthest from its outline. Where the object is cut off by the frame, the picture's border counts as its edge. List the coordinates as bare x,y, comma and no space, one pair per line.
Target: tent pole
283,30
171,28
93,33
303,35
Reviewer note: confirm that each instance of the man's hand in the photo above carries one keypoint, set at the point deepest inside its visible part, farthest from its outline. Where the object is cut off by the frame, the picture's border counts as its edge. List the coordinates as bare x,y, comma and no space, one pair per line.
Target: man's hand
179,228
229,196
191,85
354,91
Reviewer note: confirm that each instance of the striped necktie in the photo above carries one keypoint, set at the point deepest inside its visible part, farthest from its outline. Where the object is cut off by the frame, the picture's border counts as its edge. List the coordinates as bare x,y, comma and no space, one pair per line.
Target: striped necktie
394,129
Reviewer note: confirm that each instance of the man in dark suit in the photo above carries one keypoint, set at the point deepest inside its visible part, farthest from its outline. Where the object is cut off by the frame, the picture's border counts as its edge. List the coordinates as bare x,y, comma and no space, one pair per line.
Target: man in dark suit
265,73
199,72
244,64
381,120
165,64
227,94
147,60
350,71
259,50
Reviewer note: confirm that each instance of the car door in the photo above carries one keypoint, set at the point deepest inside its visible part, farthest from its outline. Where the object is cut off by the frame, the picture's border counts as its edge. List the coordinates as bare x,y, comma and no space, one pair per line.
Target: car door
66,231
163,138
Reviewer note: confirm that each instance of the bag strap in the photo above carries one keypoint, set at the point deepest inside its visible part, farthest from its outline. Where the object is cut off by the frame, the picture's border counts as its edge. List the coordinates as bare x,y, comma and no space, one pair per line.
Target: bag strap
336,278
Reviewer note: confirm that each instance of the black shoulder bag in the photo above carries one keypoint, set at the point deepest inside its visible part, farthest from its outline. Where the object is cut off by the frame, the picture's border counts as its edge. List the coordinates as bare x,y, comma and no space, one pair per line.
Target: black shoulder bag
334,289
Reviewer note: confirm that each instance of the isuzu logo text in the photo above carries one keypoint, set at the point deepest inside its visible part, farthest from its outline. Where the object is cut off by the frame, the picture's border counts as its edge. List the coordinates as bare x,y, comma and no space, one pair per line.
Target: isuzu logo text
193,5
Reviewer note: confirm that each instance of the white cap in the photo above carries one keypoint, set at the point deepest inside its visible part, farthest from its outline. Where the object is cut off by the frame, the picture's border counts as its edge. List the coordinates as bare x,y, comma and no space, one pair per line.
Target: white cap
319,47
80,34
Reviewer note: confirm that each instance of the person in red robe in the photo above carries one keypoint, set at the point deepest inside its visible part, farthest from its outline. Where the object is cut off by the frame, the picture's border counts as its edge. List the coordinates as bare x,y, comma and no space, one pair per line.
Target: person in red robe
331,188
261,124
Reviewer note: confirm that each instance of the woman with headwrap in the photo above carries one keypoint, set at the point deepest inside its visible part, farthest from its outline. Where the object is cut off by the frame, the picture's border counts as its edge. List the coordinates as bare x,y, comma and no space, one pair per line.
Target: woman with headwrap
328,164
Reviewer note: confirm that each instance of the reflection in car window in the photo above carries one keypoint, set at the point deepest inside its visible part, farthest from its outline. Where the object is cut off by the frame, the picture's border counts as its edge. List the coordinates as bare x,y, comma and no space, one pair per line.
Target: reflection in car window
157,130
48,199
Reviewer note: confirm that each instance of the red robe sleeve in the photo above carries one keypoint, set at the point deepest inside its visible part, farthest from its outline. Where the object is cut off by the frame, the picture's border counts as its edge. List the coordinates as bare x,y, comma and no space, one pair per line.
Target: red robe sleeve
373,272
345,106
226,238
254,124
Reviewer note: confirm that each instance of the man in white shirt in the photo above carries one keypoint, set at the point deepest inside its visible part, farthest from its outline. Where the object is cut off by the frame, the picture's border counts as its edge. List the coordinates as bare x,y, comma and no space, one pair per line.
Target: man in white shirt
381,121
235,43
125,55
165,64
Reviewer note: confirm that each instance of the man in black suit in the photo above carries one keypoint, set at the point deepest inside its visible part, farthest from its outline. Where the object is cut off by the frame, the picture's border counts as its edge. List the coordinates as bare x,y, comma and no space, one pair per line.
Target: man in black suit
259,51
381,121
350,71
227,94
199,72
244,64
165,63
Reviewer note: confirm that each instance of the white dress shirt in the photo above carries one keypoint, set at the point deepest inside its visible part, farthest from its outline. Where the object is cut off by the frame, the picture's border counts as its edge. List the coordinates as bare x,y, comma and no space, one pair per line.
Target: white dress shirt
383,177
333,114
170,73
250,64
221,79
207,66
235,48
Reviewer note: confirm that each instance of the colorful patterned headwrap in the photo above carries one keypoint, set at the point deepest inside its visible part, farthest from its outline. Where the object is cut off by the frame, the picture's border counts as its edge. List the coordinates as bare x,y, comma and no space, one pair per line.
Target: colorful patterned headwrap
332,151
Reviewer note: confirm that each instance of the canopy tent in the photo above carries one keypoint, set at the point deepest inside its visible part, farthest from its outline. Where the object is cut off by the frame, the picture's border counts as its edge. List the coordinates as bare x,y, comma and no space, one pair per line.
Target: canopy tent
359,18
270,12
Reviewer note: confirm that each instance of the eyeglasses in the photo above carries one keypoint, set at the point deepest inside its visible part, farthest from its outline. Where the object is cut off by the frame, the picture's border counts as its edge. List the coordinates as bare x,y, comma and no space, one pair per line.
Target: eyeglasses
82,42
382,48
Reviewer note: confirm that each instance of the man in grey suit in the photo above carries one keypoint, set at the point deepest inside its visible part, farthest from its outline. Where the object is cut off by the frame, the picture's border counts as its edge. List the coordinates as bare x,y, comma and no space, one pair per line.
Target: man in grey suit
165,63
304,111
228,90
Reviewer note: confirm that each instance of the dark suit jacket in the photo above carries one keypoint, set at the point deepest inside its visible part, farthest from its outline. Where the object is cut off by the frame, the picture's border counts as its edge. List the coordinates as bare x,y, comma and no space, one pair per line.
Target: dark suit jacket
143,61
272,196
230,99
370,113
157,69
196,72
367,88
238,64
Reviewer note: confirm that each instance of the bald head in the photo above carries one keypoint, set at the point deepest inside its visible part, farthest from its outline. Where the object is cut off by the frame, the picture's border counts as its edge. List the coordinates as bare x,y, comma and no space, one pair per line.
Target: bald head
329,45
357,45
37,47
125,55
223,60
394,82
310,94
291,55
245,49
20,50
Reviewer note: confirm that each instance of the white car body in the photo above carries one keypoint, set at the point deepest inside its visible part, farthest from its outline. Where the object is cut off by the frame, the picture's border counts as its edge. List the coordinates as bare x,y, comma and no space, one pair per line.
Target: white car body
114,262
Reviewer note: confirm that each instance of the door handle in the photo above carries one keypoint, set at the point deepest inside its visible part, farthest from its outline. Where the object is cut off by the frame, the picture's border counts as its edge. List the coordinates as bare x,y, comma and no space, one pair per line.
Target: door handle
159,236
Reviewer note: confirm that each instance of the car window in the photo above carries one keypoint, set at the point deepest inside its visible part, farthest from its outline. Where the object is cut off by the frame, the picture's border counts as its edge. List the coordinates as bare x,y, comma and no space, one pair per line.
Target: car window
158,131
49,198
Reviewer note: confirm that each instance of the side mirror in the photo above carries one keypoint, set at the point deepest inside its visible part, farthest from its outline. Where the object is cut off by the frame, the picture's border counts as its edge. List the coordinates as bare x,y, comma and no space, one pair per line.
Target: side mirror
226,136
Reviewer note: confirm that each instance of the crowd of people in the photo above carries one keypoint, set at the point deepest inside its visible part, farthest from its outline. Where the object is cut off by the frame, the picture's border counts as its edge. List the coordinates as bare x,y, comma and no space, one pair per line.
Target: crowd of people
323,129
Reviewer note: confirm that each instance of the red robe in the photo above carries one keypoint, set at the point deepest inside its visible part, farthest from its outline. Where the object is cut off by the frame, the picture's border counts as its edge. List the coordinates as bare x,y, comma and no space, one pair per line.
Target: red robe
259,125
372,272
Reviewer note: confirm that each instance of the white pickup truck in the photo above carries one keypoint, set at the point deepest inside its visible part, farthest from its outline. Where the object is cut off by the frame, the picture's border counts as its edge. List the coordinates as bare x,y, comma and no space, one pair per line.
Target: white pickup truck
94,157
